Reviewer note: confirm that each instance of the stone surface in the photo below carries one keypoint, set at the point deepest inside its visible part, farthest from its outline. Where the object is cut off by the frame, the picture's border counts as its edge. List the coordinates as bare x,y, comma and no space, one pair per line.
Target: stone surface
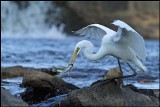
108,93
41,86
112,73
19,71
9,100
13,72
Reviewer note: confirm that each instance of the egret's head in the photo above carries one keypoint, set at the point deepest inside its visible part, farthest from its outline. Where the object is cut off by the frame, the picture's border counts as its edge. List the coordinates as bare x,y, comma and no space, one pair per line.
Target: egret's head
79,45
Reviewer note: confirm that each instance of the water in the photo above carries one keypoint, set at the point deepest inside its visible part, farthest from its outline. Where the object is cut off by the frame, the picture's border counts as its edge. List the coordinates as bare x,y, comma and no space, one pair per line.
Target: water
44,53
13,85
30,19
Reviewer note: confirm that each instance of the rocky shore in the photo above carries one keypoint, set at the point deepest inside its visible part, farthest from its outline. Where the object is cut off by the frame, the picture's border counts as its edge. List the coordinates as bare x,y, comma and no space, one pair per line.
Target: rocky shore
9,100
40,86
108,93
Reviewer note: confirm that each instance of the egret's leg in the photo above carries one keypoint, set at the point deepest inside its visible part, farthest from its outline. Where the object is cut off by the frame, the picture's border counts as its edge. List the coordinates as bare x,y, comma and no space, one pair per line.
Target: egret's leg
126,76
120,79
120,67
135,73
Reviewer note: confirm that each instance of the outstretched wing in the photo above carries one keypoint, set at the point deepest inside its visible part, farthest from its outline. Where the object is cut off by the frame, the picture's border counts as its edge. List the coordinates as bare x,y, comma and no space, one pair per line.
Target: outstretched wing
135,40
96,31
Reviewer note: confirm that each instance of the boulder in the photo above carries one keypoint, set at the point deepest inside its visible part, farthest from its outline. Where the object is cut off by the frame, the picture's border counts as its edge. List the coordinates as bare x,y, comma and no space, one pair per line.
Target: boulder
10,100
19,71
13,72
108,93
41,86
142,16
112,73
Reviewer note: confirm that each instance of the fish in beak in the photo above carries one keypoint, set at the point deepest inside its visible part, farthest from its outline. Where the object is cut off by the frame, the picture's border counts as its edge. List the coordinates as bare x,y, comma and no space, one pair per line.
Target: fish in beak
72,60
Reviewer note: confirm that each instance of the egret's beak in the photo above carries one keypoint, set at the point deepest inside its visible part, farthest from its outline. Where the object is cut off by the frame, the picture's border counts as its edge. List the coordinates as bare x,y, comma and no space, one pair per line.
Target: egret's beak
72,60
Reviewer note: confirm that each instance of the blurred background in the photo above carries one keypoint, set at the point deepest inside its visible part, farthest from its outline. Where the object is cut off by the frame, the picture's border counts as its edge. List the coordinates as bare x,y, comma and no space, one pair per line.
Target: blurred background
54,18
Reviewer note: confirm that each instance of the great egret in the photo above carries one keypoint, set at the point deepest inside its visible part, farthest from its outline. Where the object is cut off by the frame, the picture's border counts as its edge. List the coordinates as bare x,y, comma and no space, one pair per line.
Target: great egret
125,44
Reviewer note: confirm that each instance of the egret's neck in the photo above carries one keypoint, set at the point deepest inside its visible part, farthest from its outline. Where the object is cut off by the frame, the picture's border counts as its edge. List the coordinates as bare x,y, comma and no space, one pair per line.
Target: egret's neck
88,50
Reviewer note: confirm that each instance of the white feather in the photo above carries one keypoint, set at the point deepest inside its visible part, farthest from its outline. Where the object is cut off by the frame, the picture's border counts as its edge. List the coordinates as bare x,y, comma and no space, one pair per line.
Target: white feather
134,39
96,31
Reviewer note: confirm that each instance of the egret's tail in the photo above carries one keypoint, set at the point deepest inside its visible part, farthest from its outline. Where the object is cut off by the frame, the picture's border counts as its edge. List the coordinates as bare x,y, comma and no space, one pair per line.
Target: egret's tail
140,65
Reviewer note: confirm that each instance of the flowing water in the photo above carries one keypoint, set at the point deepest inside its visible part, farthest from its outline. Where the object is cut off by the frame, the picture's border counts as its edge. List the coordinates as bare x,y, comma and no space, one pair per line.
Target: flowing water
30,17
44,53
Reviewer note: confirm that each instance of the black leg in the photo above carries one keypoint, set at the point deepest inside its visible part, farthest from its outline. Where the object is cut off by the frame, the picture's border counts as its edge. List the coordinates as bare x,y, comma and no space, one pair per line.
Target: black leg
135,73
120,66
120,79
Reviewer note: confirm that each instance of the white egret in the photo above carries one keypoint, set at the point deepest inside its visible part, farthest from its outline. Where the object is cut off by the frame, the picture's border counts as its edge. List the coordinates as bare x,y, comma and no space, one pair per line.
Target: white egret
125,44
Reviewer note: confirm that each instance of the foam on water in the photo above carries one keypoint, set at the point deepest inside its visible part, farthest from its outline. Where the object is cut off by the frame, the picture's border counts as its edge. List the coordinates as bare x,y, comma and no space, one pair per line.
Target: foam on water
151,85
50,101
29,21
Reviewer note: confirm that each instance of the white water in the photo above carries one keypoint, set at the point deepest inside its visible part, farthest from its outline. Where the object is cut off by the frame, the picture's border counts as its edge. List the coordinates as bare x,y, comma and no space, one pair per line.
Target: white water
28,22
13,85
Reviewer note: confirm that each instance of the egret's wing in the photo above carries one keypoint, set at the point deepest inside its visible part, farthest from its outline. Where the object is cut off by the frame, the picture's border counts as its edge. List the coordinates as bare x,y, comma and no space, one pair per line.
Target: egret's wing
135,40
96,31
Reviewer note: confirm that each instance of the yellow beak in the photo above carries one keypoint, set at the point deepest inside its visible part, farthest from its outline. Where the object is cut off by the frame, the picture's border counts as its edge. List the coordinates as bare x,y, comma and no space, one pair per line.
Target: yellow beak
72,60
74,56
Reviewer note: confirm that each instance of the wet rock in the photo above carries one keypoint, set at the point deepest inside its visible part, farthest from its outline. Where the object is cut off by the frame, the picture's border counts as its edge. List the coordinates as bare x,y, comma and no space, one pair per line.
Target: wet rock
13,72
41,86
19,71
9,100
52,71
108,93
151,92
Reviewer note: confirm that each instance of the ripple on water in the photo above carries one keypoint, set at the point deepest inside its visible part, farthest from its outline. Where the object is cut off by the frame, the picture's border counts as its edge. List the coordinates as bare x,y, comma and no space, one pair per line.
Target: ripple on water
44,53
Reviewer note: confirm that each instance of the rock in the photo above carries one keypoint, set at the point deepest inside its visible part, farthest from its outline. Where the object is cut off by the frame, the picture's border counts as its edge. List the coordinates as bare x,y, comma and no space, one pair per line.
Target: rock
10,100
13,72
19,71
142,16
41,86
115,72
52,71
151,92
108,93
